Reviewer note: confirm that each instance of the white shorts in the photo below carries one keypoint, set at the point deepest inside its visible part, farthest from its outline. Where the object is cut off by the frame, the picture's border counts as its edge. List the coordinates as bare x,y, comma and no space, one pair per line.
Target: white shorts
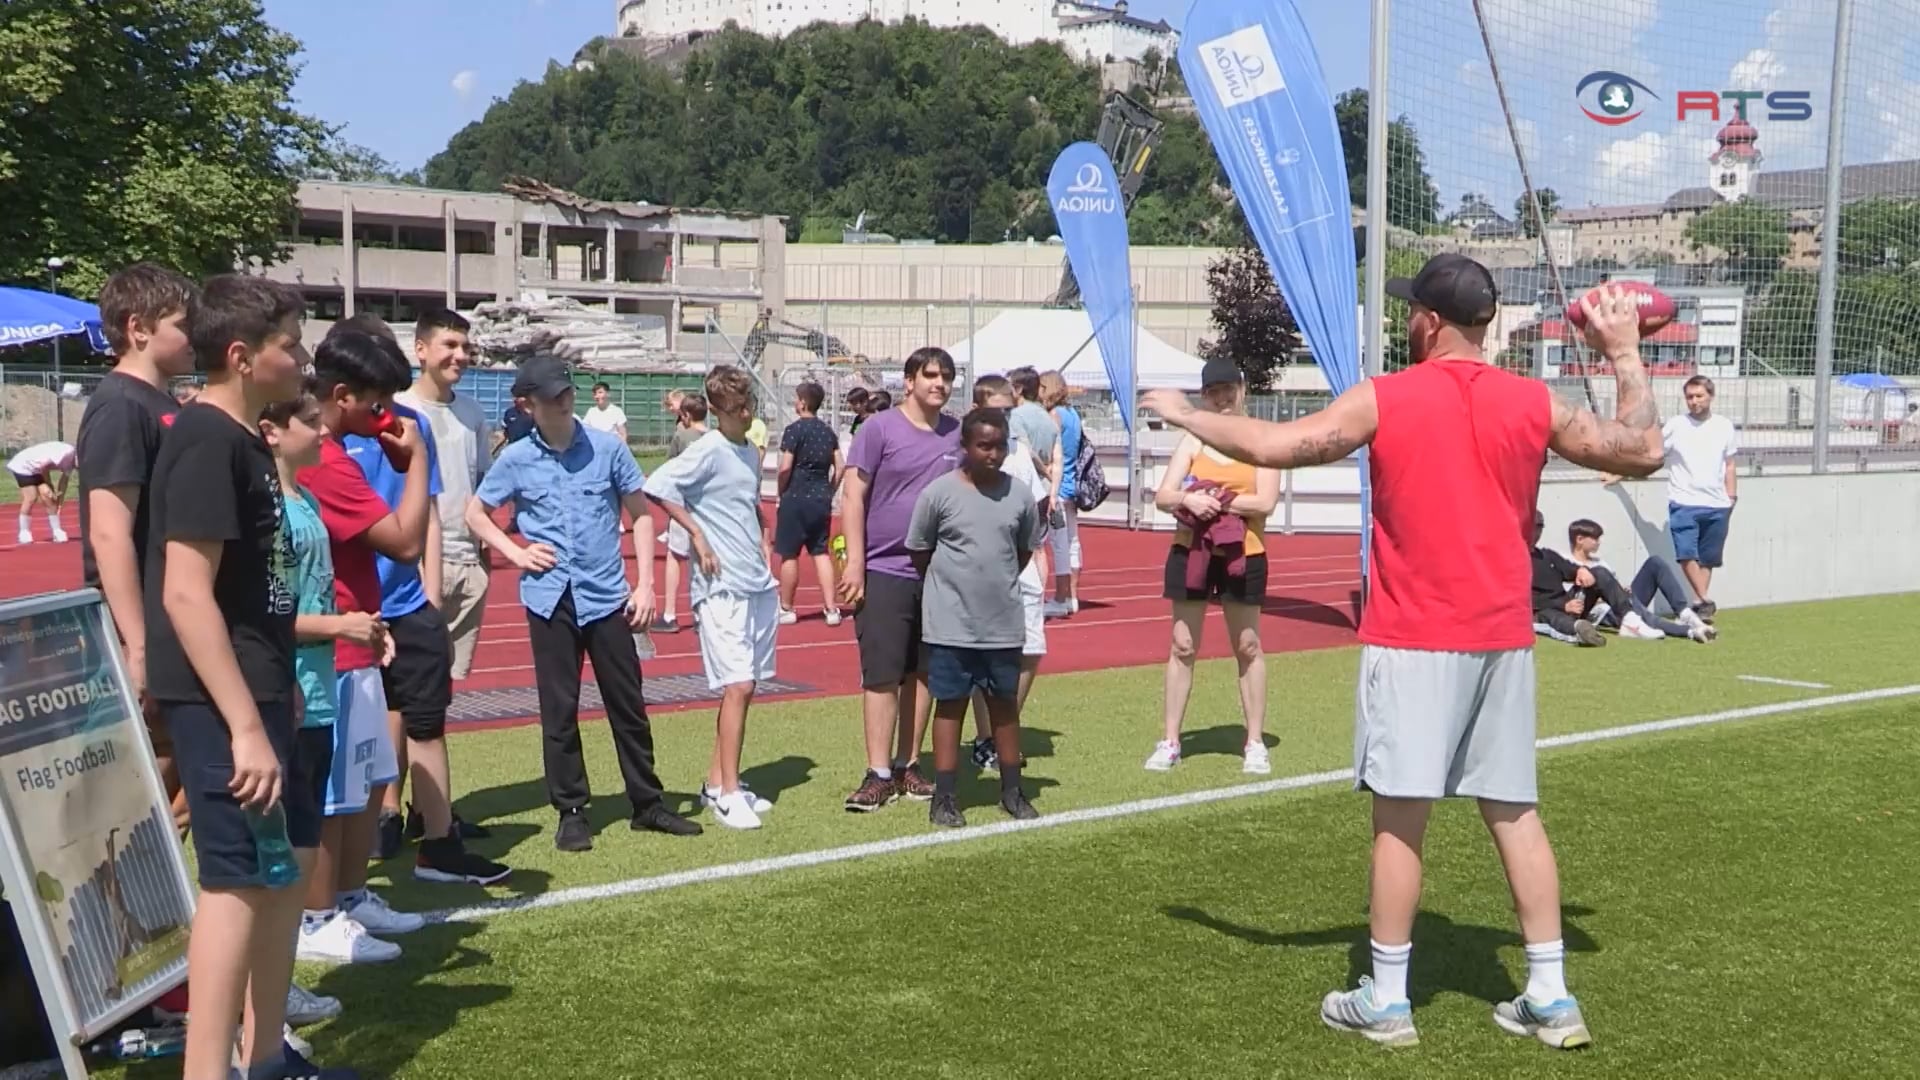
1065,541
1433,725
363,755
1032,606
679,543
738,636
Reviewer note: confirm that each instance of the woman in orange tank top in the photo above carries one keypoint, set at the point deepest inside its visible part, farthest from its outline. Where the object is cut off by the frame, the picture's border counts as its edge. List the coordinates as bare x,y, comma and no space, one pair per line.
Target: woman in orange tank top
1219,553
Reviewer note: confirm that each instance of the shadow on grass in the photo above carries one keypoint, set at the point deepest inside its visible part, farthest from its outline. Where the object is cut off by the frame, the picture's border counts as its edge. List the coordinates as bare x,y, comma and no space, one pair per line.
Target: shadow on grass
1227,740
506,836
1449,957
771,779
1313,611
392,1010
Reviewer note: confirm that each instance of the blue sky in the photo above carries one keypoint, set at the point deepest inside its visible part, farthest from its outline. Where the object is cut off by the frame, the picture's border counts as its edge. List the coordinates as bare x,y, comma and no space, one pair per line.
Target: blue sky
435,65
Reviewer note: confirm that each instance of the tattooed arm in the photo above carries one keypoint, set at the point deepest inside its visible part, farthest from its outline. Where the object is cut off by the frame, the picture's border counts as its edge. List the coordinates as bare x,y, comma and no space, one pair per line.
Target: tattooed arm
1630,443
1328,435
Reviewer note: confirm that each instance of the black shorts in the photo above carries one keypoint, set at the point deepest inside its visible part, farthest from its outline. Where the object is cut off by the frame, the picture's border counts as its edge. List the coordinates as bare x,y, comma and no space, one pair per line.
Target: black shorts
887,626
1250,588
23,482
802,524
223,844
419,682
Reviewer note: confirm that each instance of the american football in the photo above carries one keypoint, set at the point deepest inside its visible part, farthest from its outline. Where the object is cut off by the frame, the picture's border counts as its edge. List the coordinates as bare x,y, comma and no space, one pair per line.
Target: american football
1657,309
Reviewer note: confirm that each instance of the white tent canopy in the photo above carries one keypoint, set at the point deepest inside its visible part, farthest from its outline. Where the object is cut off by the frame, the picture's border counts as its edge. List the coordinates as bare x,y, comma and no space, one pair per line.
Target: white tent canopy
1046,339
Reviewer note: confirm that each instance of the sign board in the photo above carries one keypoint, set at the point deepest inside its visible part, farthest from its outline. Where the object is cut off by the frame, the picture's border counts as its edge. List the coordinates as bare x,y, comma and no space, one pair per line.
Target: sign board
89,859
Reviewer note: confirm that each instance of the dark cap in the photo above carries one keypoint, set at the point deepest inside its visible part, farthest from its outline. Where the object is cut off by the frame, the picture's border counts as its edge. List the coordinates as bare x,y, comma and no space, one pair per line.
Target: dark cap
545,377
1219,370
1454,287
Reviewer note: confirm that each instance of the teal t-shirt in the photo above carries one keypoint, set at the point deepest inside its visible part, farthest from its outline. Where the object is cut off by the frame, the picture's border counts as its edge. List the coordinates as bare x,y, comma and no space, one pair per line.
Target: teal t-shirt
313,583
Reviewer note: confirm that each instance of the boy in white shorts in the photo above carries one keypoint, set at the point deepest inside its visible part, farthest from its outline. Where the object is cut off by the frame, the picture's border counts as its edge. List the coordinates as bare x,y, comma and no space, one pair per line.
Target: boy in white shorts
711,490
996,392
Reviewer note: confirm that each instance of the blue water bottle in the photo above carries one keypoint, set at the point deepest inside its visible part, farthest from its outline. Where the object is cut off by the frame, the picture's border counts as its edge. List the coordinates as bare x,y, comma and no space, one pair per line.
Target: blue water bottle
272,850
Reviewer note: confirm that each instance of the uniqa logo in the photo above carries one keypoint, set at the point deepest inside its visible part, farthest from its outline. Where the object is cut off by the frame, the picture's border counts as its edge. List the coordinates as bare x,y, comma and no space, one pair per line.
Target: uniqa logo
1242,66
29,333
1237,72
1082,204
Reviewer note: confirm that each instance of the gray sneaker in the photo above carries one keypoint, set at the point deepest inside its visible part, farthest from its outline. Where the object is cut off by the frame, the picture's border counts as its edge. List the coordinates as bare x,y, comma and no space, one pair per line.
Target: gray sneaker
1557,1024
1356,1011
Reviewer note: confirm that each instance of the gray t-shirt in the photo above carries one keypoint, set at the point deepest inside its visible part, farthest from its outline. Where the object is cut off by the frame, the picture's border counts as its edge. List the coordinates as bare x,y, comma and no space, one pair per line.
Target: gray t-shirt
682,438
972,595
1033,425
718,482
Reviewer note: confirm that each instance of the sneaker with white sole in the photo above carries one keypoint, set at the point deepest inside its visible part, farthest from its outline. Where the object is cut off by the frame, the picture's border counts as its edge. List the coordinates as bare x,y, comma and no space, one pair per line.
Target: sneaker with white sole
735,810
788,616
1054,609
59,535
1635,627
1705,633
833,618
1256,761
341,940
305,1008
372,912
709,794
1165,756
1557,1023
1357,1011
26,538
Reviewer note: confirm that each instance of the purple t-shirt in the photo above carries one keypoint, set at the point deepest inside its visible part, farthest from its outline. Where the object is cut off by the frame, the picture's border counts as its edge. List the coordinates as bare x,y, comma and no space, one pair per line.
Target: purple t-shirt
899,460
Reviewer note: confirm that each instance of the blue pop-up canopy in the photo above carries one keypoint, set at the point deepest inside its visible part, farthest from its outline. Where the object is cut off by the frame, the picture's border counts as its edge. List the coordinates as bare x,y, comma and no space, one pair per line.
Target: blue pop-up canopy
29,315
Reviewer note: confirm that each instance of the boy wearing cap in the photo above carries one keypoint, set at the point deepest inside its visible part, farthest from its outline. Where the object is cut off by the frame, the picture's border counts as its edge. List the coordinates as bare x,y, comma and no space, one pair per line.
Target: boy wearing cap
568,484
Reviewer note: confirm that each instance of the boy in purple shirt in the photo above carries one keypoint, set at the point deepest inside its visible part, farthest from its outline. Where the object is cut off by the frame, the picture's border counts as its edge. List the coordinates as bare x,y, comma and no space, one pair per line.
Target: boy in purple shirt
895,455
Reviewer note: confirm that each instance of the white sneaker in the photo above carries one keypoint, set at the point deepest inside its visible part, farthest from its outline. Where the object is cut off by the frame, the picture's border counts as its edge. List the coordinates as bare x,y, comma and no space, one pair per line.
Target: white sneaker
788,617
1633,626
374,914
304,1007
1165,756
1054,609
735,810
1703,633
833,618
26,538
1690,619
1256,761
341,940
59,535
709,795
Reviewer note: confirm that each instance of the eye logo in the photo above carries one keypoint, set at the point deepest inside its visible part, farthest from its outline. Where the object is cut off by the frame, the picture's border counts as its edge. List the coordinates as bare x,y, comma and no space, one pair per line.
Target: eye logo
1616,96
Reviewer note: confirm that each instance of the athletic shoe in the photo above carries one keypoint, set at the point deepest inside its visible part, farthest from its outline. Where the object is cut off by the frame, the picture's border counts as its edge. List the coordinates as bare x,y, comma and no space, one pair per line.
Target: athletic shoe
913,785
1165,756
26,538
833,618
1256,761
666,626
305,1008
710,795
341,940
1557,1024
1054,609
448,860
1706,609
735,810
1073,606
59,535
657,818
1016,805
1588,634
391,835
289,1044
573,833
985,757
1705,633
372,912
872,794
944,813
1357,1012
788,617
1633,626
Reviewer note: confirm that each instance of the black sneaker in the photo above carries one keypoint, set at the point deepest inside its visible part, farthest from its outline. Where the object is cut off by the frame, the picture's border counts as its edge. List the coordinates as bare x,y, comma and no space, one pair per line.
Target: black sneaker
657,818
1706,609
944,813
448,860
465,830
985,758
390,837
1016,805
295,1066
573,834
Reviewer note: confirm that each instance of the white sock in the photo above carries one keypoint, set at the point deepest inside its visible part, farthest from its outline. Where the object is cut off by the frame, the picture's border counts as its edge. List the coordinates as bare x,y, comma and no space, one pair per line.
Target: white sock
884,774
1390,964
311,920
1546,972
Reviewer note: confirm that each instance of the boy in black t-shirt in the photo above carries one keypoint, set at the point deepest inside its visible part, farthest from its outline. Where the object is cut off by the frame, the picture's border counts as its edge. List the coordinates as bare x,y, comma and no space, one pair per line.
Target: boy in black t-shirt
220,603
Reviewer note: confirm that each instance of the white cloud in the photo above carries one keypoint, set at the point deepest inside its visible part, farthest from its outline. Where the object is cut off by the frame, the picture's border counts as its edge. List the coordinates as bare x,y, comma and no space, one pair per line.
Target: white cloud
465,82
1649,167
1759,70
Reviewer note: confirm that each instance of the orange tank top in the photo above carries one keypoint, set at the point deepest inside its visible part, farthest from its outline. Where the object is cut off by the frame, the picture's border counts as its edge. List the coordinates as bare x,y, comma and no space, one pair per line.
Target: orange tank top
1209,466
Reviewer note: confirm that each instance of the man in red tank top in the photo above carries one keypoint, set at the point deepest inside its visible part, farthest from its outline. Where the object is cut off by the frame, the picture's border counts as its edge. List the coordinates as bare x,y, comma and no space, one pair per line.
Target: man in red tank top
1445,703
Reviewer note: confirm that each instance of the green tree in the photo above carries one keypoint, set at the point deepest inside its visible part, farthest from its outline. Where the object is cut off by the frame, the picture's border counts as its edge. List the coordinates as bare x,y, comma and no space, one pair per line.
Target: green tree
1746,240
1256,329
1549,209
350,162
145,129
1413,202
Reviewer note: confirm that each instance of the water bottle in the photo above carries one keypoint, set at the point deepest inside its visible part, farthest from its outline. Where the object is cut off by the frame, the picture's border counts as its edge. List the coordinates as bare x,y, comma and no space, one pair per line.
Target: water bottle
272,849
643,645
136,1044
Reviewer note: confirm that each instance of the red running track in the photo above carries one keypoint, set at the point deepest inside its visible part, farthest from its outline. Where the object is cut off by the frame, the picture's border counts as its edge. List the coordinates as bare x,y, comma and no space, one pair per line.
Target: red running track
1312,596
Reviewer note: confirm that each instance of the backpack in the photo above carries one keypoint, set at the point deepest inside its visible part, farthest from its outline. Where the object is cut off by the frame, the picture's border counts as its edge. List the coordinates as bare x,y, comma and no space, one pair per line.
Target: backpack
1089,479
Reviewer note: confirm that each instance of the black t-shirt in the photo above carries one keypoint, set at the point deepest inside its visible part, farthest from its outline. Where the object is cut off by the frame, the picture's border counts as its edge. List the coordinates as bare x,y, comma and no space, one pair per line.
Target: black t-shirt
215,481
812,444
118,443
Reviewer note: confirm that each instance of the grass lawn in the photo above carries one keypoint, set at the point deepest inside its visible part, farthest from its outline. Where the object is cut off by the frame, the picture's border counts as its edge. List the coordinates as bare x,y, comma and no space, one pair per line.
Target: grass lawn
1732,893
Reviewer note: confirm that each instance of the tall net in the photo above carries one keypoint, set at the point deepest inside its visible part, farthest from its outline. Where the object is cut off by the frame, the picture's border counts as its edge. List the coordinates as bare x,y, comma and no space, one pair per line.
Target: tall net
1566,142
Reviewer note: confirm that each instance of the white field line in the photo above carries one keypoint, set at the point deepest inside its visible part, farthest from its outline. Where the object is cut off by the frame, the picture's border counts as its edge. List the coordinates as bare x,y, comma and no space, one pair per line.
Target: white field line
782,863
1771,681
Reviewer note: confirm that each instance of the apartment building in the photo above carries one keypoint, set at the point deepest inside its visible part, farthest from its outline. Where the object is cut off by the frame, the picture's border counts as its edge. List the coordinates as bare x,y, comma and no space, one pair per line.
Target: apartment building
395,251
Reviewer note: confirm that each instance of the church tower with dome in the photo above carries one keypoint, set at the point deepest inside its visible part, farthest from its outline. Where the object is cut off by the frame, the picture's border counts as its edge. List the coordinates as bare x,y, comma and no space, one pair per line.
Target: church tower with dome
1733,165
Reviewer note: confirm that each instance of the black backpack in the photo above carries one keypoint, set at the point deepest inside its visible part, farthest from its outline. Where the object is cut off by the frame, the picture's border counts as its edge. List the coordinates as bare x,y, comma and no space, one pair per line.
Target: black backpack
1089,479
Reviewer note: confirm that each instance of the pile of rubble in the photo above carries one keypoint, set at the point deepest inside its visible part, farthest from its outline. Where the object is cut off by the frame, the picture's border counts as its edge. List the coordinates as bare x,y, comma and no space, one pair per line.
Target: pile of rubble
505,332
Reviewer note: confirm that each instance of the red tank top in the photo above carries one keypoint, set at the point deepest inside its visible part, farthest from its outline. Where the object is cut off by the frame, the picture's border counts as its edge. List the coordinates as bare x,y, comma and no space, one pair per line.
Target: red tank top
1455,464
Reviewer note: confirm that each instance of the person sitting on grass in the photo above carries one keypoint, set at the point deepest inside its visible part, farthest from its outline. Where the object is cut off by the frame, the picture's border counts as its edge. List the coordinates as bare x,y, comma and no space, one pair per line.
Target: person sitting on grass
1560,606
972,534
1630,611
712,493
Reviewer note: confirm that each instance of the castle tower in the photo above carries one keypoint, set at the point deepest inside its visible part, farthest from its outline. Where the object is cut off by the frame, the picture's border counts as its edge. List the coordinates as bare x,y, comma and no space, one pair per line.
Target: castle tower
1731,167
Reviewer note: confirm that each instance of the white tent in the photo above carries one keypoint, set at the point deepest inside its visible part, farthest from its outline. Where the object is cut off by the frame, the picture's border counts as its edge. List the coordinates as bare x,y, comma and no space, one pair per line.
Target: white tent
1046,339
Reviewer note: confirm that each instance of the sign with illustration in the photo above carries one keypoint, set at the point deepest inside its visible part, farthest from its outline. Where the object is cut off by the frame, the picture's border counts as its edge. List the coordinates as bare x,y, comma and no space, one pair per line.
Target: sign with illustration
88,855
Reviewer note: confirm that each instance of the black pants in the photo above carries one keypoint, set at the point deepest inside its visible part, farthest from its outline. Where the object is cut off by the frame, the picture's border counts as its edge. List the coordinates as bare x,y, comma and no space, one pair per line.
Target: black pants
559,644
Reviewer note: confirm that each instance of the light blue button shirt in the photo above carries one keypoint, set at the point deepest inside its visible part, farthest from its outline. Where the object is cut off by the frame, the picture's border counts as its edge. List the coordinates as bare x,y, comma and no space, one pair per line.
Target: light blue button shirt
569,500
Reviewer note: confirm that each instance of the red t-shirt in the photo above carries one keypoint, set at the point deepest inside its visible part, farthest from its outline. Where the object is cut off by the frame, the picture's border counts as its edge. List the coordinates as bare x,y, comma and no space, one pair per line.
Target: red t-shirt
1456,465
348,508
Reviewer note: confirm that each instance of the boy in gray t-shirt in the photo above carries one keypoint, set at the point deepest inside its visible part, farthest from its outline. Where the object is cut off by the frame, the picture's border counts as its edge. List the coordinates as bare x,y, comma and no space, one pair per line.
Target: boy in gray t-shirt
972,533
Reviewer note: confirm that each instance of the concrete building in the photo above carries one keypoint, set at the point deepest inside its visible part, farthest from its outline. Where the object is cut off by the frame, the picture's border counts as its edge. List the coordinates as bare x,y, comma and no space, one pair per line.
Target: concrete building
1090,31
396,250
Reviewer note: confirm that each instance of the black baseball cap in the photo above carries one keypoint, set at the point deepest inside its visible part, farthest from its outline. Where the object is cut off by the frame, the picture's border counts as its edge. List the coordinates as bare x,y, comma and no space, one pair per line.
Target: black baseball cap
1454,287
545,377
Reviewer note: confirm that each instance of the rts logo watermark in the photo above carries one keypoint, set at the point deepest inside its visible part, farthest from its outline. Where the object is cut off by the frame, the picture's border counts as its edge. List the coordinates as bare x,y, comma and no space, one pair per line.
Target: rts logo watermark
1616,99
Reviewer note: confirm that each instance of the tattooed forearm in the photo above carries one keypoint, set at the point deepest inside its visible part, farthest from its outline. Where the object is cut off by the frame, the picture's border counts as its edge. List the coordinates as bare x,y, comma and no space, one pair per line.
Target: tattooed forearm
1635,408
1318,450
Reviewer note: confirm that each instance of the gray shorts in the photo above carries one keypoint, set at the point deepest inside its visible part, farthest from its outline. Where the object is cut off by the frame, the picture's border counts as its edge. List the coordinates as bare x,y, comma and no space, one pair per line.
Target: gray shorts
1434,725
